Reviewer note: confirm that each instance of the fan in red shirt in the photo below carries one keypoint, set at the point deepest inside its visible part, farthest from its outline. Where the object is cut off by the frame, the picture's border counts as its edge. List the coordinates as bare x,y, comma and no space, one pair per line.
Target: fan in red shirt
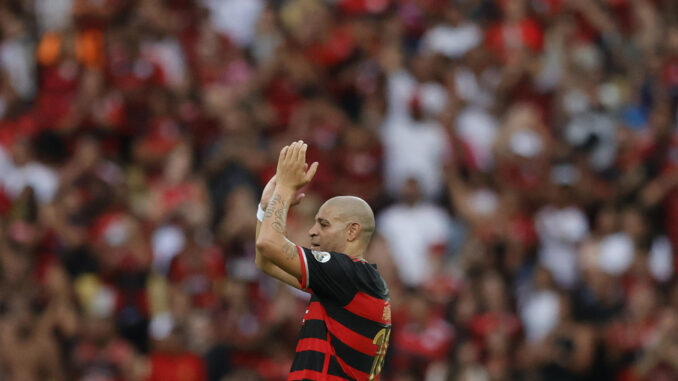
170,362
516,33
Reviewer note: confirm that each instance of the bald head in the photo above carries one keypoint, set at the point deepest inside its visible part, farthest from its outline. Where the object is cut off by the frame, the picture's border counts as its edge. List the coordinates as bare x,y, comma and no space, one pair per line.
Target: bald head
351,209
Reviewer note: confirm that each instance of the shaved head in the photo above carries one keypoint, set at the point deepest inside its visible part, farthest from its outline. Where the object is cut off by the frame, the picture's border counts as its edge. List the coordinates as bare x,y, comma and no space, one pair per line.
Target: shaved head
351,209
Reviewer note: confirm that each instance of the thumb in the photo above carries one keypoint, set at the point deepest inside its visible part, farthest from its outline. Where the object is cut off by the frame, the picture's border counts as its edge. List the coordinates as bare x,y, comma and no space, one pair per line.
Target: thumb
298,198
311,172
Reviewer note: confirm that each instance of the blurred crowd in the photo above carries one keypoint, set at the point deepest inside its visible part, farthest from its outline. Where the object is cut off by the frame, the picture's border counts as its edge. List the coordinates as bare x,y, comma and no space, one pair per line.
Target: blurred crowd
521,157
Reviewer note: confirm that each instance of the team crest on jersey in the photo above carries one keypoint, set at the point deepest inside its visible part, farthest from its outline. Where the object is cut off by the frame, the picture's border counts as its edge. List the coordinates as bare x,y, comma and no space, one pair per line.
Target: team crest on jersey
321,256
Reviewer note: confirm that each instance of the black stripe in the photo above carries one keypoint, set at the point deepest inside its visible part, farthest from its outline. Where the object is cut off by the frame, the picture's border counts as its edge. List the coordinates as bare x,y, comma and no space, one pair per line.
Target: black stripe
371,281
310,360
350,356
313,329
358,324
335,369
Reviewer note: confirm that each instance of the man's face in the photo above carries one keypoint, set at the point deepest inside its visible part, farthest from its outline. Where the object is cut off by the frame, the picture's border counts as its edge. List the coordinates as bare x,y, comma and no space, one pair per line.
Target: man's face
329,231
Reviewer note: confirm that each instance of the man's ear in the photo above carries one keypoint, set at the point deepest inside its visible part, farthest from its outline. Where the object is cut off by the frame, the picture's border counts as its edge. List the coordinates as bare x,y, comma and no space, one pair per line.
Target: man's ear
354,230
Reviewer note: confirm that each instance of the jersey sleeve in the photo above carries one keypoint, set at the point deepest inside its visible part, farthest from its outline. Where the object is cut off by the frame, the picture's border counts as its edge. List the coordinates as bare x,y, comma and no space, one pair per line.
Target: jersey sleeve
328,274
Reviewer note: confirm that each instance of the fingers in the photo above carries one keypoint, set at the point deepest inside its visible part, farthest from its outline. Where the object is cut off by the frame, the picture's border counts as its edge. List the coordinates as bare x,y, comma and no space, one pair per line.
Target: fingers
302,153
296,147
311,172
283,153
298,198
293,162
296,152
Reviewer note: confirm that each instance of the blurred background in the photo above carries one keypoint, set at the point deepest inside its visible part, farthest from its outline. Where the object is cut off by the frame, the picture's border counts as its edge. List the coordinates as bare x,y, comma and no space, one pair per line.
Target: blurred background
521,157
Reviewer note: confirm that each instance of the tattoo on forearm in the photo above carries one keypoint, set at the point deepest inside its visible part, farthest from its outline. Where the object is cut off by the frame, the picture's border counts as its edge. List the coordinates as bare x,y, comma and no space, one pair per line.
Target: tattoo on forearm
280,219
278,208
269,211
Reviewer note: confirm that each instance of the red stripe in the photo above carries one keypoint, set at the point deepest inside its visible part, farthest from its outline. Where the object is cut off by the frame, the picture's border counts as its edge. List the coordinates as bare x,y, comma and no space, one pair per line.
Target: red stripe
303,282
346,335
351,371
354,340
326,365
311,344
312,375
315,311
369,307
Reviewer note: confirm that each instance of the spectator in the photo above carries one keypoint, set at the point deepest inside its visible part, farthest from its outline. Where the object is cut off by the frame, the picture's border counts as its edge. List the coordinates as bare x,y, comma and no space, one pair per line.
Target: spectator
169,359
415,143
414,229
561,225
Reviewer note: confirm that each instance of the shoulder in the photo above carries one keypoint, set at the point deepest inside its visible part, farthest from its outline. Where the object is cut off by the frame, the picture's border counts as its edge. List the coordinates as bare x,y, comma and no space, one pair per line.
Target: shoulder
334,257
354,270
321,256
366,276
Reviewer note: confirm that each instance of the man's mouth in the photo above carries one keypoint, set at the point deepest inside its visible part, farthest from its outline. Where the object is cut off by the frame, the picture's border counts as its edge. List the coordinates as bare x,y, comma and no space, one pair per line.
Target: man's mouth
314,245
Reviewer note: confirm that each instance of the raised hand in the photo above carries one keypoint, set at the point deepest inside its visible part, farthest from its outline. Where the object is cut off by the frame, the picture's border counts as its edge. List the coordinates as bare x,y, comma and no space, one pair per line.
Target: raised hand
293,172
268,193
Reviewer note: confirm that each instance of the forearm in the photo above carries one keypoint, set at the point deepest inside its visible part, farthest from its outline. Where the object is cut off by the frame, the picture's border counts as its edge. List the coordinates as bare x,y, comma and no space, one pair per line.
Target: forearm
260,260
274,226
271,269
291,175
272,245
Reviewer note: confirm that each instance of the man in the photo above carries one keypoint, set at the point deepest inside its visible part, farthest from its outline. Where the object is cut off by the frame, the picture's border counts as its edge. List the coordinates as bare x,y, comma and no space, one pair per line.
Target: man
347,325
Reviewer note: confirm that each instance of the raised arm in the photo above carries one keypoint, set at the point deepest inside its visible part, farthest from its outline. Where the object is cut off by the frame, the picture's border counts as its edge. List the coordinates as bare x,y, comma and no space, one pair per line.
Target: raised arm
262,263
272,244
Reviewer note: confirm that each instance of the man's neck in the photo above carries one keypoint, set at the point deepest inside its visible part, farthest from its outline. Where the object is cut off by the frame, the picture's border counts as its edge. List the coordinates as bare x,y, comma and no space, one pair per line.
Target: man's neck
355,252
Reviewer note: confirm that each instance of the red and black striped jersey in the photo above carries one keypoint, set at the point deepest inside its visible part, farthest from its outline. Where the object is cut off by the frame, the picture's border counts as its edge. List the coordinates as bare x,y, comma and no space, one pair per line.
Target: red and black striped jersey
347,325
